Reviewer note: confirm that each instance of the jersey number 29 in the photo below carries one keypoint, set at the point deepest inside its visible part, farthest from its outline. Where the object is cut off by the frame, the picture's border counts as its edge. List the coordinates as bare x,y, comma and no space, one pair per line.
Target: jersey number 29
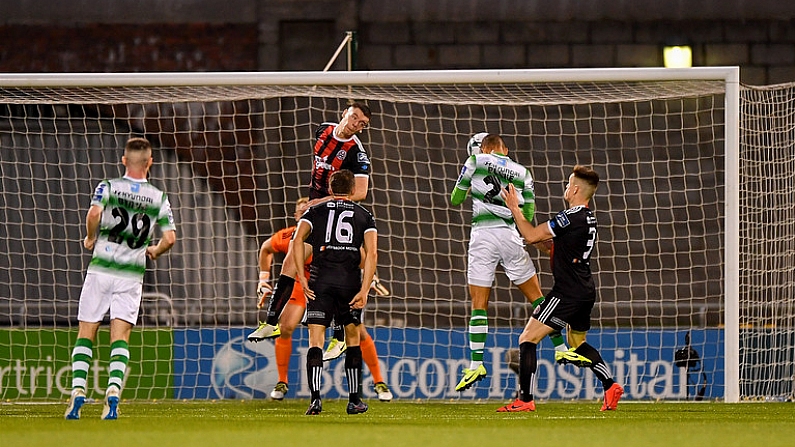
140,228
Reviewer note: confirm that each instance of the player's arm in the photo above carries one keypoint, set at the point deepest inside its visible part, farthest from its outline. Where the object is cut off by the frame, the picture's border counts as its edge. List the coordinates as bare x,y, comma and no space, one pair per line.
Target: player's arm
264,289
463,183
458,196
529,207
531,233
319,200
93,219
166,242
299,254
165,220
529,196
362,186
370,262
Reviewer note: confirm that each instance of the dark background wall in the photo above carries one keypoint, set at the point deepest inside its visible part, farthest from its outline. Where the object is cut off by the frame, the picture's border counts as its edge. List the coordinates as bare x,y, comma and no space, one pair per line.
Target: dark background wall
245,35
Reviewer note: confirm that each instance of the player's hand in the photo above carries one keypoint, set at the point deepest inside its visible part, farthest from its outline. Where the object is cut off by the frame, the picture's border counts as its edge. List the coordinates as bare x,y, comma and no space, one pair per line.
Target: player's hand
359,301
264,291
151,252
314,202
511,198
88,243
308,293
544,246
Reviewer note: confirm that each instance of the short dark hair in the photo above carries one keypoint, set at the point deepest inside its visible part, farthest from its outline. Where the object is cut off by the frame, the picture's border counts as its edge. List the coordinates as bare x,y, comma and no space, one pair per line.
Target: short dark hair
342,182
490,140
585,173
363,107
137,144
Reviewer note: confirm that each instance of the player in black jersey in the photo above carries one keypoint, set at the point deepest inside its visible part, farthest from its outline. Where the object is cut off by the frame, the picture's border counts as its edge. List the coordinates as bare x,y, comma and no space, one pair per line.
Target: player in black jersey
336,147
568,305
337,288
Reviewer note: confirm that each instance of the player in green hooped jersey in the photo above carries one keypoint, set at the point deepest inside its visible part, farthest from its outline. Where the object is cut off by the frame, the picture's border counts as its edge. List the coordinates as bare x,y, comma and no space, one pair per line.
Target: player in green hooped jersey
494,240
119,227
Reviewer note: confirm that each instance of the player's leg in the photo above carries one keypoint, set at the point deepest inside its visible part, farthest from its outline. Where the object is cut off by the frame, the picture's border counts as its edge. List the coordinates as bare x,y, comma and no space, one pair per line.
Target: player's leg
124,307
314,366
370,357
478,331
82,353
117,366
319,313
93,305
532,334
283,345
336,344
532,291
280,297
576,335
353,366
482,259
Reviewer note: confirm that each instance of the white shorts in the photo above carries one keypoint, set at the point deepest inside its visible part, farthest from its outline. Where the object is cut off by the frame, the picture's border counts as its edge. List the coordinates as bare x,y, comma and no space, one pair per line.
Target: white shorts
122,296
491,246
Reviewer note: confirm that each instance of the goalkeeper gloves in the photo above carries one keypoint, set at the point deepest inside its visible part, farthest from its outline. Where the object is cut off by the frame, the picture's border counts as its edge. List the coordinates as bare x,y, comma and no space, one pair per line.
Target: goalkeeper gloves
264,289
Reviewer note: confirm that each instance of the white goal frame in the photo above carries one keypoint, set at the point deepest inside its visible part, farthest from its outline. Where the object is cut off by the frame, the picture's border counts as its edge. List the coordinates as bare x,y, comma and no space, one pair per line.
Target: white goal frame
730,76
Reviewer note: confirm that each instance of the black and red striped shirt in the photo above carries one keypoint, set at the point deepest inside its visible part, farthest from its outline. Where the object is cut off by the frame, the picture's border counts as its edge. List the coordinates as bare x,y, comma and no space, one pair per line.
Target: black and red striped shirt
332,154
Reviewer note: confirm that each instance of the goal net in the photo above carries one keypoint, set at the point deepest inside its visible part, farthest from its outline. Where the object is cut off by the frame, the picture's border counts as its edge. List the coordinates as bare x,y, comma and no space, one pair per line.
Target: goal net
674,267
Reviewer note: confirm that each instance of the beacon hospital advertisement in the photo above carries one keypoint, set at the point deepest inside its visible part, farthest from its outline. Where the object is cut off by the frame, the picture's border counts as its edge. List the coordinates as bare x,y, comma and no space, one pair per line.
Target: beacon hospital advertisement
416,363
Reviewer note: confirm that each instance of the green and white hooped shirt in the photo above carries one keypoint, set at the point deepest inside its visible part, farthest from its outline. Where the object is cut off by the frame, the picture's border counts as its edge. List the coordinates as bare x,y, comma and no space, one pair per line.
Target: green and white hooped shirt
131,210
486,175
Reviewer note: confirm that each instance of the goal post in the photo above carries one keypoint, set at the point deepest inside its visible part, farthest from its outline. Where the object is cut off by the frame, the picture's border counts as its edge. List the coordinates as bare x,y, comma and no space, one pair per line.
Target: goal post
233,152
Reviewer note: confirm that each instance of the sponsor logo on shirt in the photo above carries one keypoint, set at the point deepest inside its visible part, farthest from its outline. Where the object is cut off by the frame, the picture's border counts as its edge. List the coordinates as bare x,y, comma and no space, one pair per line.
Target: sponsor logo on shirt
98,192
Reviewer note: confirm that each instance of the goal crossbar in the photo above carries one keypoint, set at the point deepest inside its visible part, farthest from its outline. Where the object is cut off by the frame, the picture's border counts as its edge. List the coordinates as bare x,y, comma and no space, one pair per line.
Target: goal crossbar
728,74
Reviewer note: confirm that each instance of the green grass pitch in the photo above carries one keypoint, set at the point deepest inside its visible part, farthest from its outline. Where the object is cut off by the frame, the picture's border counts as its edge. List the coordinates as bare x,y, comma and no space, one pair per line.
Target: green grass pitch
400,423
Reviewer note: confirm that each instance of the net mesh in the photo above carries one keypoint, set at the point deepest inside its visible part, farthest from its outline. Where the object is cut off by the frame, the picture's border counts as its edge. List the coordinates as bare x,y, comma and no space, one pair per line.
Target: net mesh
235,158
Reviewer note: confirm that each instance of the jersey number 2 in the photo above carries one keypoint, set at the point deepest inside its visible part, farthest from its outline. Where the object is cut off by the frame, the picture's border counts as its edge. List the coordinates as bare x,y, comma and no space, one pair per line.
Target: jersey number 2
496,187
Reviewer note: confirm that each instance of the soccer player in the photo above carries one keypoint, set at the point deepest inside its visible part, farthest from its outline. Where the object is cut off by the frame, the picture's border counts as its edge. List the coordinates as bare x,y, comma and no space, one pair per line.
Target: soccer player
295,308
494,240
336,147
119,227
339,229
569,303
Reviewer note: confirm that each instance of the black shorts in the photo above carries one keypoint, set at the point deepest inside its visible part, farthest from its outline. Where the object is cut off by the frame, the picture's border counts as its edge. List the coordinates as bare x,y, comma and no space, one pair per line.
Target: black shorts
557,312
331,303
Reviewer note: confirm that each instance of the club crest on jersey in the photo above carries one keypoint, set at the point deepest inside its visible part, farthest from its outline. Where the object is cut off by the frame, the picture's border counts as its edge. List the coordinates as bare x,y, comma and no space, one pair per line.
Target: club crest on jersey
341,155
562,219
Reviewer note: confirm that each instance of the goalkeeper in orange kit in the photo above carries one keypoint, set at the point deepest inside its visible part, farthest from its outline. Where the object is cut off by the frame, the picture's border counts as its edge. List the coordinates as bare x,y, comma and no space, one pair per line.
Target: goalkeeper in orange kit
294,310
